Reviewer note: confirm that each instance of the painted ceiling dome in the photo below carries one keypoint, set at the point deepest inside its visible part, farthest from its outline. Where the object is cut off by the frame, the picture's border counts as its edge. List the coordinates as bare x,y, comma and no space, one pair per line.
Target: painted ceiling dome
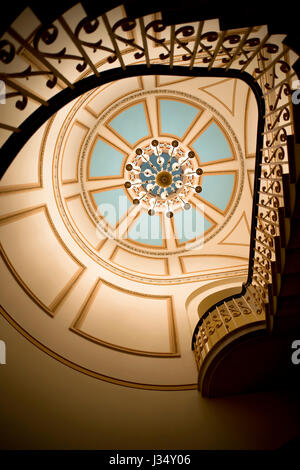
161,173
102,283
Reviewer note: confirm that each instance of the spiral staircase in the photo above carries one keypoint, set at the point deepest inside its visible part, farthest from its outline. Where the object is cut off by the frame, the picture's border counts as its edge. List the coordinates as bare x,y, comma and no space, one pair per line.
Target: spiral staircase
250,332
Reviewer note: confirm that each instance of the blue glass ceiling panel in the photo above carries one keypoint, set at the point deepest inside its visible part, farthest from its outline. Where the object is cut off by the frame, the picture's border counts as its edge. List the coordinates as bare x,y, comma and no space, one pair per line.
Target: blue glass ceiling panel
176,116
131,124
112,204
212,145
217,189
190,224
106,160
147,230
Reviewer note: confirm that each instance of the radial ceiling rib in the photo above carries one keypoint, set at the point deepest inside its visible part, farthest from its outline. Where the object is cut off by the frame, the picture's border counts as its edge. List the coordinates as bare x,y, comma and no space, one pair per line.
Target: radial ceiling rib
208,210
192,129
126,223
220,166
202,123
70,189
153,112
17,203
168,233
107,248
147,230
104,183
114,138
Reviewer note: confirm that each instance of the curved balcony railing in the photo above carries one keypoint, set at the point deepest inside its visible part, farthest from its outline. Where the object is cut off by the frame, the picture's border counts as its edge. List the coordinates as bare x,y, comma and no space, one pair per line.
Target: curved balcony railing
44,67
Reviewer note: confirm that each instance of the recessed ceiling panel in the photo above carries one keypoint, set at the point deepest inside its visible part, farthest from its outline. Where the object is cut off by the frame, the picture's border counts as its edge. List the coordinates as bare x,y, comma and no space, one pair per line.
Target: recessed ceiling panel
105,160
176,116
147,230
190,224
131,124
112,204
212,145
217,189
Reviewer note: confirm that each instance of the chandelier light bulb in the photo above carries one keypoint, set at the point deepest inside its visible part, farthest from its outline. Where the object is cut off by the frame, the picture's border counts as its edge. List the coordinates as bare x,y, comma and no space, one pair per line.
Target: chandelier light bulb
136,201
164,195
152,210
168,211
175,166
150,186
148,173
183,160
178,184
128,184
185,205
189,171
155,147
172,150
197,189
133,168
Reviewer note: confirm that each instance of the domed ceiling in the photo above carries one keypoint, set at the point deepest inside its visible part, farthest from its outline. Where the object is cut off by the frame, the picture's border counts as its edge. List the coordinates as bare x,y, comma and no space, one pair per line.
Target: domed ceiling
108,214
89,275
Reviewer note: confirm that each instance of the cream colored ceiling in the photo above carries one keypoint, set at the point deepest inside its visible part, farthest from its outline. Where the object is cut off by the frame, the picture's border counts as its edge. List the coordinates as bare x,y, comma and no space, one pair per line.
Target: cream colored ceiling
107,309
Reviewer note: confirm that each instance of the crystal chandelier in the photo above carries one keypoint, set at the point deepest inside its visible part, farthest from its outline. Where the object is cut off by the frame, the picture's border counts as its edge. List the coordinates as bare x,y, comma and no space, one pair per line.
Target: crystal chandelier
162,177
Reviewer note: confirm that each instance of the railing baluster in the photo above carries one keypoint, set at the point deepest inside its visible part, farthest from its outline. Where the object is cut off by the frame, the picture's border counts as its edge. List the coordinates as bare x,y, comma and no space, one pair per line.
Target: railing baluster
77,44
256,51
22,90
172,46
39,56
218,45
144,38
196,45
9,128
239,48
113,40
271,64
285,80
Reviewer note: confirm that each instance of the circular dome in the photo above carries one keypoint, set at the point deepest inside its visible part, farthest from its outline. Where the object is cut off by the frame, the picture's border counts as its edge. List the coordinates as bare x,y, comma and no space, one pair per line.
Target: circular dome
145,175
